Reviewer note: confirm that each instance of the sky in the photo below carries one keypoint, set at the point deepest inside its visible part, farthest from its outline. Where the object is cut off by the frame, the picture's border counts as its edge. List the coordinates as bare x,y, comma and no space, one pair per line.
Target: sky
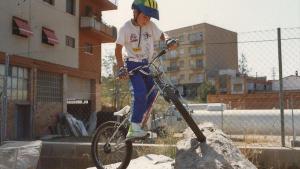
235,15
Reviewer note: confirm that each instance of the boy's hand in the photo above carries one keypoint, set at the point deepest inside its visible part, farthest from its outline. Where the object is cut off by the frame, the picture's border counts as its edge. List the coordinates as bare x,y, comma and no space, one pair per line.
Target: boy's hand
172,44
122,73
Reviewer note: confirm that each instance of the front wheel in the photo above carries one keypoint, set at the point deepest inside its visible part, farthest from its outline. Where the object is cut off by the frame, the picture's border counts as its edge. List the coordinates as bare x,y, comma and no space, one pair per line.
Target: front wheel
106,151
172,95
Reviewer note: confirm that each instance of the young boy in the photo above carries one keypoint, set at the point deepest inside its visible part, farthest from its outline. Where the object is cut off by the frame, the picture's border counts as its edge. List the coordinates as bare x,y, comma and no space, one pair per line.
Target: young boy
138,36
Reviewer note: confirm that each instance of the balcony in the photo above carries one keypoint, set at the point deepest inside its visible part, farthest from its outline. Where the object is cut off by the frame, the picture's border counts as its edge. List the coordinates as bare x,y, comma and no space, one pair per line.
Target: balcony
195,41
196,67
196,54
105,5
196,80
195,38
174,81
172,69
91,27
170,57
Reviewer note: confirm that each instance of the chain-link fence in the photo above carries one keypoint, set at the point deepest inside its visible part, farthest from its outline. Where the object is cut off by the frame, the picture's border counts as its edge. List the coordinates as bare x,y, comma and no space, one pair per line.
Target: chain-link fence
243,68
255,74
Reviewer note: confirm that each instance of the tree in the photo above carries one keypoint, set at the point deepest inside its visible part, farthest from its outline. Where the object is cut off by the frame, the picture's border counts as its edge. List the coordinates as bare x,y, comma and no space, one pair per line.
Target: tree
243,65
205,89
113,91
108,61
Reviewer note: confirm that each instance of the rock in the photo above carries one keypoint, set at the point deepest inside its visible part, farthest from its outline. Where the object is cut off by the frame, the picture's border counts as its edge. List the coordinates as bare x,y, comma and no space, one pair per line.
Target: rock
149,161
20,155
217,153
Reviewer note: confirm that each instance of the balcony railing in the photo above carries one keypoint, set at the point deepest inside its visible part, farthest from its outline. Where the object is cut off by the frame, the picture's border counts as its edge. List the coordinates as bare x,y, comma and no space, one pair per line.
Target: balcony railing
174,81
195,41
172,57
91,22
172,68
196,67
196,80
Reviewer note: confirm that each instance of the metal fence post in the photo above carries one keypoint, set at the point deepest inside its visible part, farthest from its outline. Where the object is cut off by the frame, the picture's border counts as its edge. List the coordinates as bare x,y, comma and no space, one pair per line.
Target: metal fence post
1,119
4,101
281,94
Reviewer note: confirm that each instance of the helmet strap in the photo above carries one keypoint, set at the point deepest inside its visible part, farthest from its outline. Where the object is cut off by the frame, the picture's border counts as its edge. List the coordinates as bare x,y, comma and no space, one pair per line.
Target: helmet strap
135,17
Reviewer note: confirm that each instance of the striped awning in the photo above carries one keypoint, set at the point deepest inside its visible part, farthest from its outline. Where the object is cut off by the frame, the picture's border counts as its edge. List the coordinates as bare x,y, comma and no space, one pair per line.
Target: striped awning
22,26
50,36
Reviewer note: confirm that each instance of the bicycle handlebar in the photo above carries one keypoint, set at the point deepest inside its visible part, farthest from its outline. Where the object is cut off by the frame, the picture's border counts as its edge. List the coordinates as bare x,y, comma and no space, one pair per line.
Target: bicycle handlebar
169,43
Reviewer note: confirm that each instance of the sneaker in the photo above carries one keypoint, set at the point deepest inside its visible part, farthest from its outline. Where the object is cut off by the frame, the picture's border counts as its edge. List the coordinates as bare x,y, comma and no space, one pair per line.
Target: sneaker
135,131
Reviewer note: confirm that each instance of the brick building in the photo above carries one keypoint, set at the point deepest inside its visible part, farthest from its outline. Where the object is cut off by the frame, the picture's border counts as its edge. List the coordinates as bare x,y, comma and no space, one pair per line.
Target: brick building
244,92
54,49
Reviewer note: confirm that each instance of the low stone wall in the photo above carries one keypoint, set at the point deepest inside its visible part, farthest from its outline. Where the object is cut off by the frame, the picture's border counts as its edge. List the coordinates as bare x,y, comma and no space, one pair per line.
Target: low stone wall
62,155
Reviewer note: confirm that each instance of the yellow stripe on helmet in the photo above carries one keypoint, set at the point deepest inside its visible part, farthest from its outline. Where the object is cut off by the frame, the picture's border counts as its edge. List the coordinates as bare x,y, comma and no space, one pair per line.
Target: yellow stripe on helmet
151,4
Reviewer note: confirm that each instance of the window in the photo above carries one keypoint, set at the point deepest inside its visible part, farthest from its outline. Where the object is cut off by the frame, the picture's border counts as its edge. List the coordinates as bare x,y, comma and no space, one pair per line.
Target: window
174,80
51,2
181,63
173,64
181,51
199,63
237,87
173,53
182,77
195,37
49,37
21,27
195,51
49,87
17,82
70,6
181,38
70,41
88,48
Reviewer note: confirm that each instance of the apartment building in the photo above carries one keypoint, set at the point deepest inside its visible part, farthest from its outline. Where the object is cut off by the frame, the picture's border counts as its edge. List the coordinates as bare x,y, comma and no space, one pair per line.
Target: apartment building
54,51
203,50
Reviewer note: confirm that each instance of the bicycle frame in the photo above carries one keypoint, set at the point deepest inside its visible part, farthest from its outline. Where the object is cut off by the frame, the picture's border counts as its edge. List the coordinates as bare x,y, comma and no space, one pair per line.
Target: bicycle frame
114,143
159,83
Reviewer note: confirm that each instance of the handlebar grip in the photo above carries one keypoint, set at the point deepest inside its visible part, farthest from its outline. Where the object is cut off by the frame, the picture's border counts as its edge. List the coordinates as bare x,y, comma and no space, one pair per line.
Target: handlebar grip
122,72
170,42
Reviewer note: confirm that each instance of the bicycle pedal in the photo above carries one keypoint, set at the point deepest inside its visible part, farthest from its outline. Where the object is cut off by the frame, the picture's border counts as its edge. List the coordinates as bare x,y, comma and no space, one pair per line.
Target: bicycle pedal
138,138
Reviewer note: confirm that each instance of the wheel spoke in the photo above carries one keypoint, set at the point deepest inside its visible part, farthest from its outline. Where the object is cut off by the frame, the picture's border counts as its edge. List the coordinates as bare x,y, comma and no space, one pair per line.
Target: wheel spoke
115,151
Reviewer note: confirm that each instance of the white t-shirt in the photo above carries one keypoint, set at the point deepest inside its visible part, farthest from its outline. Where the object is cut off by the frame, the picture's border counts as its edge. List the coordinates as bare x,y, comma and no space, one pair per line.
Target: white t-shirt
138,41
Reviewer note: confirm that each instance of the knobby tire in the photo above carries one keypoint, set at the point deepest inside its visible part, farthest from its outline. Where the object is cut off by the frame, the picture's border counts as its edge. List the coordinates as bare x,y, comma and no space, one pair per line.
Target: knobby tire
103,132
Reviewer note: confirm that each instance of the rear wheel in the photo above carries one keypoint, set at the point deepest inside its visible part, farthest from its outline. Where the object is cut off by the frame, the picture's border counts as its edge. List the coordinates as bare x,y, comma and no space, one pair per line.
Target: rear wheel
113,154
173,96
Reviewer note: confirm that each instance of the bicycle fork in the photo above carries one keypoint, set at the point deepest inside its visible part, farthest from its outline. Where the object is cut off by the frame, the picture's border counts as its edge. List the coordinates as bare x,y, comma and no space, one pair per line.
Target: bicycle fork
117,145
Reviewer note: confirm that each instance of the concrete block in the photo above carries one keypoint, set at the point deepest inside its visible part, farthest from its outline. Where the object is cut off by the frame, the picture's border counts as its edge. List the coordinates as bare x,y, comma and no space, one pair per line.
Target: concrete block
20,154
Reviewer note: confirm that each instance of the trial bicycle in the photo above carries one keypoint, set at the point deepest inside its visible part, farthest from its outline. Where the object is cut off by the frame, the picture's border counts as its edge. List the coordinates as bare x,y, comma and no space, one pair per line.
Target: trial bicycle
109,143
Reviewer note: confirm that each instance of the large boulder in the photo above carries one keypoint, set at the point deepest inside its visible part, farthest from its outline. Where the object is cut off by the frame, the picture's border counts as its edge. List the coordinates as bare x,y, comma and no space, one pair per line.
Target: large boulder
217,153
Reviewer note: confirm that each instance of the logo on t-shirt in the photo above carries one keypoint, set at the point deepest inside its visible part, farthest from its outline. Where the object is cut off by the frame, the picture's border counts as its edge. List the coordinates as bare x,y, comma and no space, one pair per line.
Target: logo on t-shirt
146,35
133,38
